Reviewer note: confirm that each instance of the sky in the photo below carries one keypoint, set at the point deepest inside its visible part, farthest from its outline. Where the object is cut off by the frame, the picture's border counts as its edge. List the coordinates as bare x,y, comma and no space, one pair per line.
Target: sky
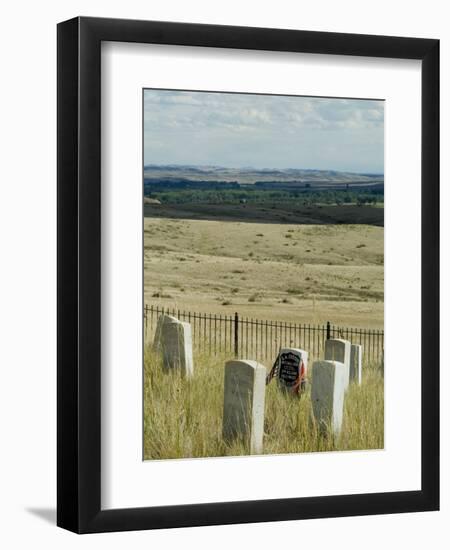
263,131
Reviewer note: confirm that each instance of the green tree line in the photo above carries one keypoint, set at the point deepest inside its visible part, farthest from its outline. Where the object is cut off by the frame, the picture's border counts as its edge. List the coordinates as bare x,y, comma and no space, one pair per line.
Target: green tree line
236,196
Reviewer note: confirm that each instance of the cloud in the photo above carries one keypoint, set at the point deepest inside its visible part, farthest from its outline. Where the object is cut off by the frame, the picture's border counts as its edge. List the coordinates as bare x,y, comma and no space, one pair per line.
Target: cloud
255,123
216,110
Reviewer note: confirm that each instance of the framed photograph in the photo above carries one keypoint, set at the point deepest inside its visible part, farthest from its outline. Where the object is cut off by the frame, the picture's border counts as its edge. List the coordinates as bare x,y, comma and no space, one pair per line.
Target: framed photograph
248,288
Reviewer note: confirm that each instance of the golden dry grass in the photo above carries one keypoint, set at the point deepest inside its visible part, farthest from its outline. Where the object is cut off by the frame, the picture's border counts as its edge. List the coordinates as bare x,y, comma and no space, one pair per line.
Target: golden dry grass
287,272
183,418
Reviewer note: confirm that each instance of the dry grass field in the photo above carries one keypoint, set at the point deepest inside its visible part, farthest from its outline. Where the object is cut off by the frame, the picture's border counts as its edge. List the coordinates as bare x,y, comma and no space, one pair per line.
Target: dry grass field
294,270
309,273
183,418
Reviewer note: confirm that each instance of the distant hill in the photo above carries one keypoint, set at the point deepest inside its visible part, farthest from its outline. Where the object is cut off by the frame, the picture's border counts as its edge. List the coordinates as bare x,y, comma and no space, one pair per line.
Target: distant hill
264,178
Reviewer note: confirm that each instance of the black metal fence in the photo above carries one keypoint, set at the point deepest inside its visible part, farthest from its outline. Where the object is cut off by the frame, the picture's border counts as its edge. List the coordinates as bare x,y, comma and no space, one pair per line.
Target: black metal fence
260,339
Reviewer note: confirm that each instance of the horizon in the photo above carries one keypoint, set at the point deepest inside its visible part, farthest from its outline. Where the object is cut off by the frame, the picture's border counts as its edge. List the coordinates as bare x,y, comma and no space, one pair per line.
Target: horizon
263,169
242,131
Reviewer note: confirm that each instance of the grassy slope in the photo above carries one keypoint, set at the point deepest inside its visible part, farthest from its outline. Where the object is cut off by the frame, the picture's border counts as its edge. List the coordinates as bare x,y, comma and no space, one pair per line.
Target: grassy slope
294,273
183,418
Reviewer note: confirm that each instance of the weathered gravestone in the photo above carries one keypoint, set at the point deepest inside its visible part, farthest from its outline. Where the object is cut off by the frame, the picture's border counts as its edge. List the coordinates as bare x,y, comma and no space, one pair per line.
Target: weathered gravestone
292,366
327,394
176,347
356,363
339,350
162,319
243,406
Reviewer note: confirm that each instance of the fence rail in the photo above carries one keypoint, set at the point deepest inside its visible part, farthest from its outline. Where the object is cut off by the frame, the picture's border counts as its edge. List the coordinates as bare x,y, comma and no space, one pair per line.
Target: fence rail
261,339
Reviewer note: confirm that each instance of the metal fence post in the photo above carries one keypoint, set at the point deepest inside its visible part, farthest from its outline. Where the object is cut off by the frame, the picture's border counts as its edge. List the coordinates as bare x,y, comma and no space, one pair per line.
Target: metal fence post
236,334
328,330
146,321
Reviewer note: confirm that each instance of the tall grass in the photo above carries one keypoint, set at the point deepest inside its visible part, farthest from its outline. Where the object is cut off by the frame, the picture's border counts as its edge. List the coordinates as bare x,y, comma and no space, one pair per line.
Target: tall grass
183,417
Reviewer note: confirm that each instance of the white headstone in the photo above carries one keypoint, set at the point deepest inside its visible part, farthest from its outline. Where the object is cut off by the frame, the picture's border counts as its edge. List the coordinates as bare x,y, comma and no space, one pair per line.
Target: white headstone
162,319
356,363
339,350
176,345
292,369
243,405
327,394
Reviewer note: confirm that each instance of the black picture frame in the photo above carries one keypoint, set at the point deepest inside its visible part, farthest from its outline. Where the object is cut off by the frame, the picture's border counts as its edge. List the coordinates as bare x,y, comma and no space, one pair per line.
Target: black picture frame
79,281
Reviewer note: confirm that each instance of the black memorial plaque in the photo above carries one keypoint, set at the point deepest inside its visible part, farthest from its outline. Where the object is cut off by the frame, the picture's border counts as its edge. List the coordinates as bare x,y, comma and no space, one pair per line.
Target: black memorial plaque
290,370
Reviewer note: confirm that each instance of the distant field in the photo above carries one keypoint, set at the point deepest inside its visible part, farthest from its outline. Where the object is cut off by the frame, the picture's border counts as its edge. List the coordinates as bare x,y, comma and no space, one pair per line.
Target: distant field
306,265
275,212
